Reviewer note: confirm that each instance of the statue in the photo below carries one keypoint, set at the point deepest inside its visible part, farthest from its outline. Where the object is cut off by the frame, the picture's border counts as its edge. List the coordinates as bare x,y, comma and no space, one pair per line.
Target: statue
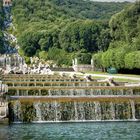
76,61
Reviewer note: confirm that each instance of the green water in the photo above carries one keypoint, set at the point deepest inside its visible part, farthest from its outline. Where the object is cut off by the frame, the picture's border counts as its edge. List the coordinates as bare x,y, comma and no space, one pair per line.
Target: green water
72,131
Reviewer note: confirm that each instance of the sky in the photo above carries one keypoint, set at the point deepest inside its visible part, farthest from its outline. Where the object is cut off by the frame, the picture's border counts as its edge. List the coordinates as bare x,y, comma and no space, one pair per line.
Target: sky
114,0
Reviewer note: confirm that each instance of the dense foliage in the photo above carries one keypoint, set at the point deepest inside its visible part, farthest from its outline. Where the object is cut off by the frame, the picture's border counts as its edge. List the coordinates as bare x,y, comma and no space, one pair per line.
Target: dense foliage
68,26
89,9
124,49
1,25
61,30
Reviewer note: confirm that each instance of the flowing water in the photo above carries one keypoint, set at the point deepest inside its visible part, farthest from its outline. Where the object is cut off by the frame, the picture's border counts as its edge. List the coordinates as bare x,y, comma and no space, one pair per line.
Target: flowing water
72,131
73,111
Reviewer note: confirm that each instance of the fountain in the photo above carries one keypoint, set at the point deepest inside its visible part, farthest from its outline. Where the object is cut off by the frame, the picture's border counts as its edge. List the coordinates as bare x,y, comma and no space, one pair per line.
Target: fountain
56,98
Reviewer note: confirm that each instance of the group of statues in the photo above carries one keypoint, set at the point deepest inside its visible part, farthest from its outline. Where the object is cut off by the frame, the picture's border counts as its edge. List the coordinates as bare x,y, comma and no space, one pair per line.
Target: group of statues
24,69
15,64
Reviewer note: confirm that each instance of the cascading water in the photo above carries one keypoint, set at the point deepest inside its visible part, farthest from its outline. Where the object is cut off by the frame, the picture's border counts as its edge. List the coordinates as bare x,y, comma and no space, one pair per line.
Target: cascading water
75,110
98,111
81,111
38,111
112,110
133,109
17,112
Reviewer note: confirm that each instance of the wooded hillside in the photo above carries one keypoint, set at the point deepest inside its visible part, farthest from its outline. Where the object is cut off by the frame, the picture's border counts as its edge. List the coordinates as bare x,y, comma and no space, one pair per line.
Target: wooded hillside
124,49
1,25
70,27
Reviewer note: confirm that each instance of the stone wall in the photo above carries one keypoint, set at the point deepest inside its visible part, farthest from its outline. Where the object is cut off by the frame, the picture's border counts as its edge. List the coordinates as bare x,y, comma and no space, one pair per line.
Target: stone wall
83,68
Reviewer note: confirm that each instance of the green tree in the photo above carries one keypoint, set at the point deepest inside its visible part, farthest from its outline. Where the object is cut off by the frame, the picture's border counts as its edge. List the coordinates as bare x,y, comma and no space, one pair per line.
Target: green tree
59,56
132,60
2,49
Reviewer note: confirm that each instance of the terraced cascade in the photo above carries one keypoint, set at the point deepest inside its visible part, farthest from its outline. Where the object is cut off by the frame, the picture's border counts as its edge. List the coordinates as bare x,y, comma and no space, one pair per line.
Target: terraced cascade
44,98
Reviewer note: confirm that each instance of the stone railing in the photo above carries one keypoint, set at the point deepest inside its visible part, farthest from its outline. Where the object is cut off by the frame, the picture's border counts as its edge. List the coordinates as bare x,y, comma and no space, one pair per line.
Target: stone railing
83,68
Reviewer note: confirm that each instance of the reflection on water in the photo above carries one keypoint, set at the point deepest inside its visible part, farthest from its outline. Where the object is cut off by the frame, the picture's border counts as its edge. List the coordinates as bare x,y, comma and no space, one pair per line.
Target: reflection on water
72,131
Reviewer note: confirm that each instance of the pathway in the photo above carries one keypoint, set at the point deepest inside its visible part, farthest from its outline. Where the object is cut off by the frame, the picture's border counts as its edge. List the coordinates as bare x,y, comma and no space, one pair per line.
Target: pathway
105,75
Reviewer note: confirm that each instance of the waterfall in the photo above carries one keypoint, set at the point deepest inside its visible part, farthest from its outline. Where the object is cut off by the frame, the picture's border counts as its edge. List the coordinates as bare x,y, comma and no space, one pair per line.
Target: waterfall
112,111
17,112
97,111
38,111
75,111
133,109
81,112
78,111
56,111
